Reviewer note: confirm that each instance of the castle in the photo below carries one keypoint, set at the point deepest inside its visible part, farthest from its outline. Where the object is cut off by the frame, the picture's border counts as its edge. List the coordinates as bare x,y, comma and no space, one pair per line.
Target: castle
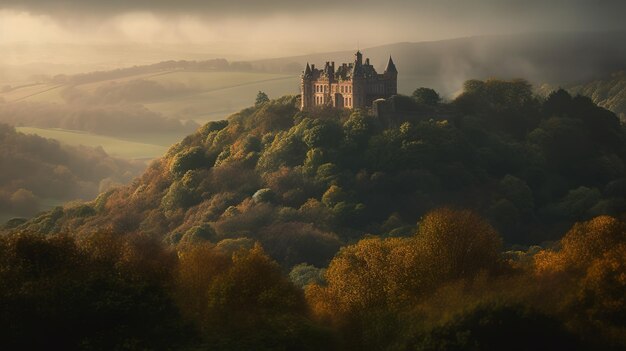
353,85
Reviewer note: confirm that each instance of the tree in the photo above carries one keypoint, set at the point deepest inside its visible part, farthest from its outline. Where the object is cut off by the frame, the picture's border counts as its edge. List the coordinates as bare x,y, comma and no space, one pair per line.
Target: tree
499,328
602,289
426,96
102,292
261,98
457,244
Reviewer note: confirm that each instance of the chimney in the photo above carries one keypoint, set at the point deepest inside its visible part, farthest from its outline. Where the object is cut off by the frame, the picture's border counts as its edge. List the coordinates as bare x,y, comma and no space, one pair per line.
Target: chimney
367,61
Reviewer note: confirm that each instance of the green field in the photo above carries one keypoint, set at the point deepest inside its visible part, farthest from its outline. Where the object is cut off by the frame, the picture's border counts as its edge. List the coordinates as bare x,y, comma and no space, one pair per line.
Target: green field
215,94
209,96
113,146
223,100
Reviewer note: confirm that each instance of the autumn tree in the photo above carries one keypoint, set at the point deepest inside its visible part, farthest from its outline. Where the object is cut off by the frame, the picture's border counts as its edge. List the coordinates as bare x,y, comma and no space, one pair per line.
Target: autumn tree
243,301
458,244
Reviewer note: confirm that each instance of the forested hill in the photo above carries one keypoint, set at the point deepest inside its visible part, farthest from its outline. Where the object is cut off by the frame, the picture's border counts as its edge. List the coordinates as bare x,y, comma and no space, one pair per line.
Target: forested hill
36,171
305,183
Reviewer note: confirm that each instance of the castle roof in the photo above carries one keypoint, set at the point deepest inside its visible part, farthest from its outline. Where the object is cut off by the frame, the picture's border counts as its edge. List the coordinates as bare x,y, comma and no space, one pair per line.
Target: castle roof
391,67
347,71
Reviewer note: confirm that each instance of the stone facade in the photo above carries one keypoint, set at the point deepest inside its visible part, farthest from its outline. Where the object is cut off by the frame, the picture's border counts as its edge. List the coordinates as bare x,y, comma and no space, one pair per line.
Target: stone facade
354,85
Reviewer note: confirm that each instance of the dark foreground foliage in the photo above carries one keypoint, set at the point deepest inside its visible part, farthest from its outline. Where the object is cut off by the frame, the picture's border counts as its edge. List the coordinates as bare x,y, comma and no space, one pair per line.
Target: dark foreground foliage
448,287
112,292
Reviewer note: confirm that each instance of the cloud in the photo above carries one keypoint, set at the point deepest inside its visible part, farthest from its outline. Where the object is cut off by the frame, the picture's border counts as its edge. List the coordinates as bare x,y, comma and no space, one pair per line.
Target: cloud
611,10
320,24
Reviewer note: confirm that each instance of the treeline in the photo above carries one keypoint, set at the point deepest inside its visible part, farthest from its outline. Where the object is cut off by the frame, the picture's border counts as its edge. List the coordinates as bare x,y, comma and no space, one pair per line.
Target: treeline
206,65
95,114
449,286
36,169
132,91
128,292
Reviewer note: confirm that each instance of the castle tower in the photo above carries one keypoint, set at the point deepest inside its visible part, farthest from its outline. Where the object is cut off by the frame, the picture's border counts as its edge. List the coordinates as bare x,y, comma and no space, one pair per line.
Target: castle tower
306,89
358,82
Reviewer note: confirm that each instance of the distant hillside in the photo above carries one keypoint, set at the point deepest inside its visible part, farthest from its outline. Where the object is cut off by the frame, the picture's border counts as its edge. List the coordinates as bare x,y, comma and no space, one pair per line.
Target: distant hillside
609,93
38,171
557,58
165,98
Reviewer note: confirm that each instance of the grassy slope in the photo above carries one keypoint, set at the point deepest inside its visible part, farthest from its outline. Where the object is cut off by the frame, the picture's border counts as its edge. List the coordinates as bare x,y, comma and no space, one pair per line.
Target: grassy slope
113,146
215,103
217,94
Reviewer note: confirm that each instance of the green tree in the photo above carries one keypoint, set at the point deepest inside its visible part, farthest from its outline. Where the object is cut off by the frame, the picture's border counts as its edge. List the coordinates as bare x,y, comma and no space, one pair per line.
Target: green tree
261,98
426,96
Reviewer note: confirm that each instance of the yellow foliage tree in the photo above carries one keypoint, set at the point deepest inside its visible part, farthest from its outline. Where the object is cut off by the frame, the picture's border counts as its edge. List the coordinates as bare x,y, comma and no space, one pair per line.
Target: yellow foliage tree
458,244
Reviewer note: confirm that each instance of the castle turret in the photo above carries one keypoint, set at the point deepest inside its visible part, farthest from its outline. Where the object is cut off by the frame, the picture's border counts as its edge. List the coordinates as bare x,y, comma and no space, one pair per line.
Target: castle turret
359,58
391,77
391,67
306,87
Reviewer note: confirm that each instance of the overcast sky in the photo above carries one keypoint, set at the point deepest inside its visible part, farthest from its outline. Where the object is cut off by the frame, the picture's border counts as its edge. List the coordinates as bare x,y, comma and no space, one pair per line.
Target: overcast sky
322,24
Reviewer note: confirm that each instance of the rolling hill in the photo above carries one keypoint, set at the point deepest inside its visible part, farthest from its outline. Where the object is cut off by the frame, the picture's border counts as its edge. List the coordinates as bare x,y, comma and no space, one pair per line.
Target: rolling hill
39,173
150,105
